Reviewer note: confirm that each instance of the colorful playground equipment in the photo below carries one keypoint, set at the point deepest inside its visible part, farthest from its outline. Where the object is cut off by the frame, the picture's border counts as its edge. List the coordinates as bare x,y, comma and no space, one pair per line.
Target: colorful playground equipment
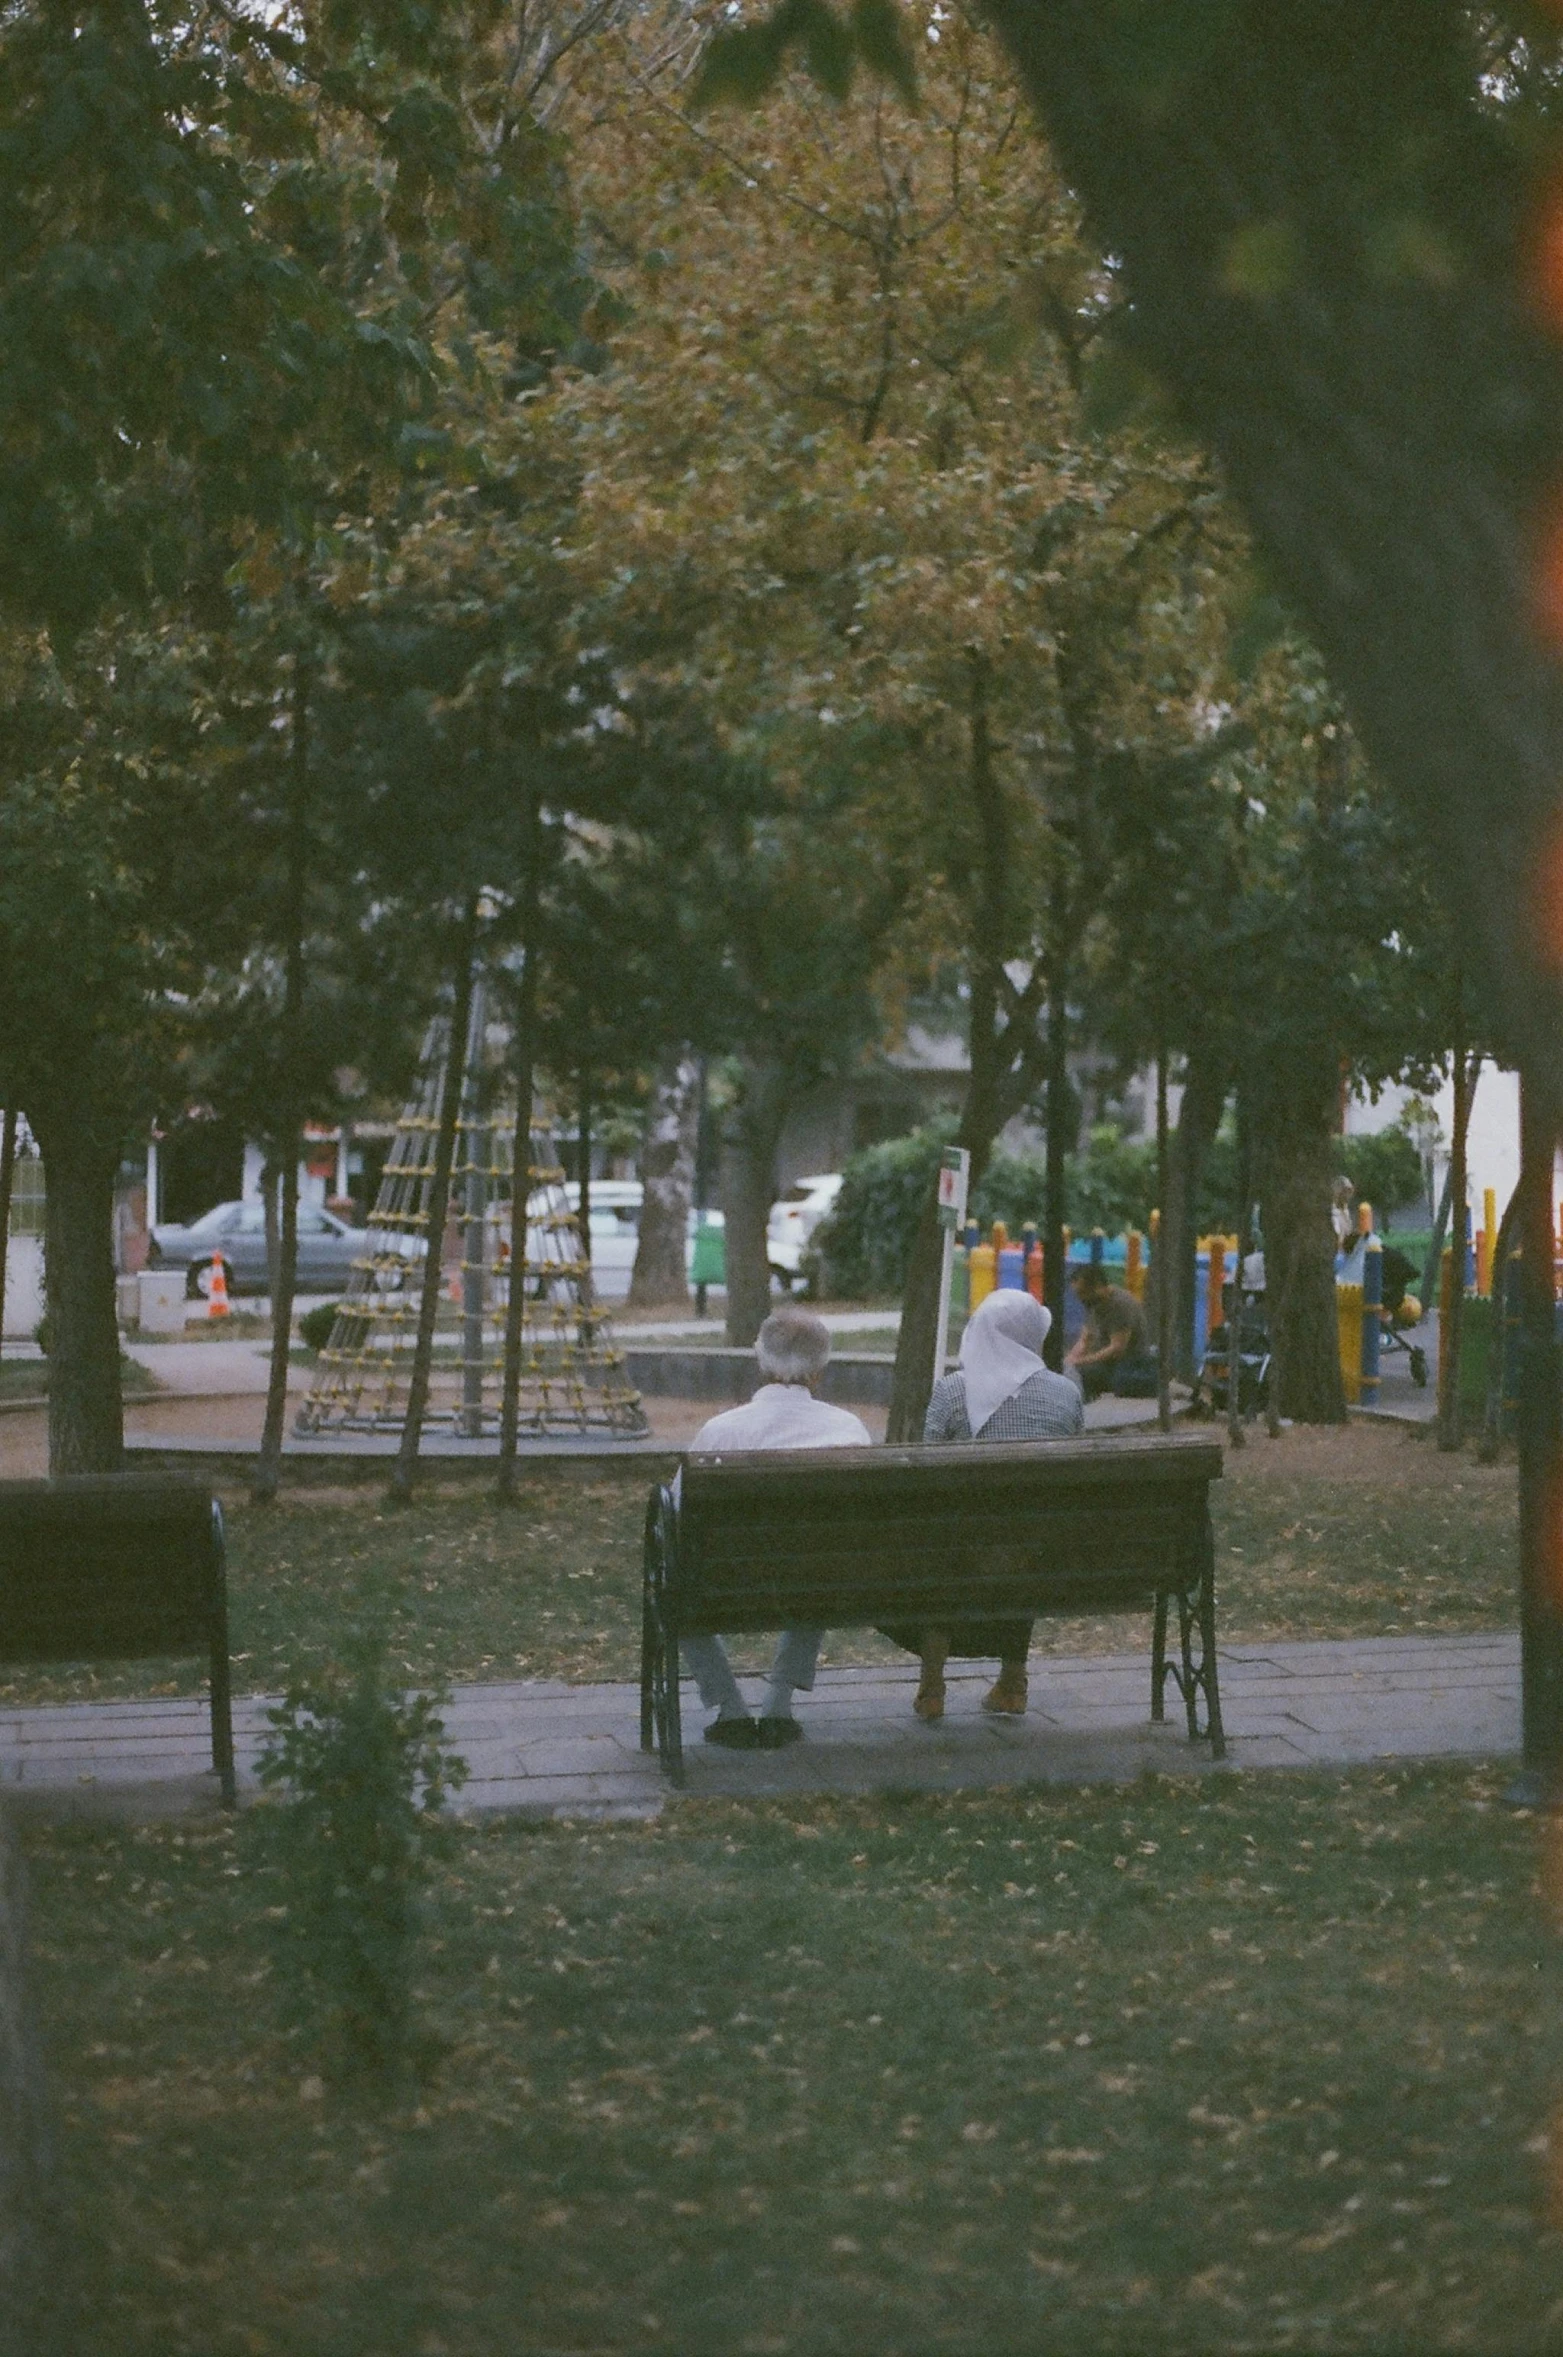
992,1260
997,1262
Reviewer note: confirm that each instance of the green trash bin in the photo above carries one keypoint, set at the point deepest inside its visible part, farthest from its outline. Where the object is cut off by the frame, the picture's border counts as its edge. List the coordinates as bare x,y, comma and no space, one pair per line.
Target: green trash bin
710,1256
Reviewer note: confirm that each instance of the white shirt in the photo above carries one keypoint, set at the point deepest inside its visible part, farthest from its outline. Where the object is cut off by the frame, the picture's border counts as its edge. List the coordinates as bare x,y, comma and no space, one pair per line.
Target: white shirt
783,1416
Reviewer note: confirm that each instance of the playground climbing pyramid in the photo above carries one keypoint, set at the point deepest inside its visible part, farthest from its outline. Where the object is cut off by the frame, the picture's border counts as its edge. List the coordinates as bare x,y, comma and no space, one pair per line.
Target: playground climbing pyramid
572,1375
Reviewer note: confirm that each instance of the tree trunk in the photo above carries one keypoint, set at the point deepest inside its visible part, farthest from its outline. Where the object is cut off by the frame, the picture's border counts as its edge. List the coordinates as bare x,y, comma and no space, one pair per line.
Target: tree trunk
1199,1118
982,1117
583,1162
86,1414
523,1059
1435,1250
268,1469
271,1228
1160,1265
26,2144
1540,1452
983,1113
1059,1122
1294,1139
1389,433
748,1191
1451,1409
456,1064
284,1273
7,1178
667,1163
912,1380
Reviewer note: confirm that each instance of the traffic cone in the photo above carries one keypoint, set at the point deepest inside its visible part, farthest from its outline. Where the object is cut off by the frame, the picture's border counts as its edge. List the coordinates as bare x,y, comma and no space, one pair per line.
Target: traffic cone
217,1295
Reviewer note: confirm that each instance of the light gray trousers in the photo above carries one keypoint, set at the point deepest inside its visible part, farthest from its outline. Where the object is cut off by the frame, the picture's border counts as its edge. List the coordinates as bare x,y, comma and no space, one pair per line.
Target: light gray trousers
705,1658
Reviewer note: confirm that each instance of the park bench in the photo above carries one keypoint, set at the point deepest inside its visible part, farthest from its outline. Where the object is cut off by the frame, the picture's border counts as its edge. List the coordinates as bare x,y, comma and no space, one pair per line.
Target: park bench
932,1537
117,1567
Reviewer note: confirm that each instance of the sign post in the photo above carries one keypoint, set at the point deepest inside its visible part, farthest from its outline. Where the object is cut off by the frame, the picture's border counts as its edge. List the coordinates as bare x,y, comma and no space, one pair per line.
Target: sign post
954,1172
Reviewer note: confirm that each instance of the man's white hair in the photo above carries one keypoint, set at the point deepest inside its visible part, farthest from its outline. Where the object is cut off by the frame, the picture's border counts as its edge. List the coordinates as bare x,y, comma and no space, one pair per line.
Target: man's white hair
793,1346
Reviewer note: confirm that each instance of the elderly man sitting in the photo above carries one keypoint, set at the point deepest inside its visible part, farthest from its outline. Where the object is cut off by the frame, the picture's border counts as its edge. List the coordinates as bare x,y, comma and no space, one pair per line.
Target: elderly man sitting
793,1350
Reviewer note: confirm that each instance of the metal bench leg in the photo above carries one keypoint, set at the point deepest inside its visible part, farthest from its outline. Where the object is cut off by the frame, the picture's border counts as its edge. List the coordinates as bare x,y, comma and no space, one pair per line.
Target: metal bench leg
1207,1638
648,1635
1159,1660
222,1693
1190,1678
673,1721
648,1674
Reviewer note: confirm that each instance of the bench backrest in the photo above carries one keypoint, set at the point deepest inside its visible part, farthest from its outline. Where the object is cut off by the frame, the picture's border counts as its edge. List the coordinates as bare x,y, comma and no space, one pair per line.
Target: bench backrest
847,1535
126,1566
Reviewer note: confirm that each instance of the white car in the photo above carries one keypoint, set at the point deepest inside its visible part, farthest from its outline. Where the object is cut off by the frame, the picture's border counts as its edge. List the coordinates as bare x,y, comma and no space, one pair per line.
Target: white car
615,1220
794,1219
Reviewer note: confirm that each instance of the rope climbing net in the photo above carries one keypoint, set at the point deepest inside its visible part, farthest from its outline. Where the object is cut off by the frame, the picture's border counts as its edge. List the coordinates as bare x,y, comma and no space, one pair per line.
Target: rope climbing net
572,1373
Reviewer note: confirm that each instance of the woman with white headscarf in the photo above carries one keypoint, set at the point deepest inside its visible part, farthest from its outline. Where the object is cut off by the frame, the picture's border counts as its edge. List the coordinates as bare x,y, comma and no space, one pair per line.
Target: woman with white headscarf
1000,1391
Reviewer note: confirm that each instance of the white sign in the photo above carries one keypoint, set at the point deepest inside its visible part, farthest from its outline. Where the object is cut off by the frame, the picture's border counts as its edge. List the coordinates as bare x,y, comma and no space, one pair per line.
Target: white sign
954,1172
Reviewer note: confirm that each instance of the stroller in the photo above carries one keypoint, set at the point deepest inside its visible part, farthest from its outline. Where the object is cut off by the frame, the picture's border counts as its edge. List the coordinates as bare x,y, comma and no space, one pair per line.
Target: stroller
1253,1356
1398,1273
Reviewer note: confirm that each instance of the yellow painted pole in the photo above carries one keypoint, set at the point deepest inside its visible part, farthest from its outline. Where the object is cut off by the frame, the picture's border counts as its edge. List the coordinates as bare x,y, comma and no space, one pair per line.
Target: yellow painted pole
1348,1320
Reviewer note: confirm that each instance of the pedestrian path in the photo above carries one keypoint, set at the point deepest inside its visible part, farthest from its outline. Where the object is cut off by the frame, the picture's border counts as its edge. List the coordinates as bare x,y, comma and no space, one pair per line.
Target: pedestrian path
546,1749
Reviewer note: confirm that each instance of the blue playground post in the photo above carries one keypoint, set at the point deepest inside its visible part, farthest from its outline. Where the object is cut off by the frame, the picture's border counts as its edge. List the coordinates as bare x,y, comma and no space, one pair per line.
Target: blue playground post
1012,1268
1098,1247
1372,1301
1201,1305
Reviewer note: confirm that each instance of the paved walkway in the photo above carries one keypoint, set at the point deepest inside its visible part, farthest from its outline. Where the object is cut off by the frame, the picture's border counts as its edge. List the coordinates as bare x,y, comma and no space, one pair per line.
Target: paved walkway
545,1749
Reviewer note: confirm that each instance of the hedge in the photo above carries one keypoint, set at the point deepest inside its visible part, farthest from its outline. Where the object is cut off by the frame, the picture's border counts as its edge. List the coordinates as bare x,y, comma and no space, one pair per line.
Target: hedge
863,1249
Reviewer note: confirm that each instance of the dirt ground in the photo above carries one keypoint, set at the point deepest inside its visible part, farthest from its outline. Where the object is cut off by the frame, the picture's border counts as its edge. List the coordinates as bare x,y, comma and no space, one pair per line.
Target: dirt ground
1372,1453
24,1436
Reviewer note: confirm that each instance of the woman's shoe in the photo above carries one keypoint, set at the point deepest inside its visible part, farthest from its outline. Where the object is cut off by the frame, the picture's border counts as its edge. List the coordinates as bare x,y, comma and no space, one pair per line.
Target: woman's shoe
1007,1694
928,1702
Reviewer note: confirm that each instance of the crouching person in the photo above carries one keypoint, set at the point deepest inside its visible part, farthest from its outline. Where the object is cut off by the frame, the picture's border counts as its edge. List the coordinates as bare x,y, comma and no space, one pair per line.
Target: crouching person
793,1351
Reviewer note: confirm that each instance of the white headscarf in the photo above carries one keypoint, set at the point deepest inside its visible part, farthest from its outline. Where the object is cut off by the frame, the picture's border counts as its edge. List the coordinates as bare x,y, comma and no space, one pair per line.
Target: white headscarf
1000,1350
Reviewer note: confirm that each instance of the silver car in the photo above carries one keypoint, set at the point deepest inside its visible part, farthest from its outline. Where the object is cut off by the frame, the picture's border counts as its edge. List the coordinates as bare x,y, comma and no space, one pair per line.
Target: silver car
327,1249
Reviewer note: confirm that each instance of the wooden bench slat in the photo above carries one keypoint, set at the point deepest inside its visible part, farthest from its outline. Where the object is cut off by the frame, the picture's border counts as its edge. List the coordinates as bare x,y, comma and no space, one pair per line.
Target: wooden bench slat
1072,1530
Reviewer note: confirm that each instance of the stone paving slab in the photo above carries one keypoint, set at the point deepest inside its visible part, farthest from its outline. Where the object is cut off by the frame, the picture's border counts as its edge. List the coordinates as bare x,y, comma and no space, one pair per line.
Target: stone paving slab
547,1749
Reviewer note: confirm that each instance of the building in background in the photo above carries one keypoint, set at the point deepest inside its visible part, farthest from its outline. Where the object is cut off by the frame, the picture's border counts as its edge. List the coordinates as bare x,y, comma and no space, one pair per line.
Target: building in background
1492,1140
24,1240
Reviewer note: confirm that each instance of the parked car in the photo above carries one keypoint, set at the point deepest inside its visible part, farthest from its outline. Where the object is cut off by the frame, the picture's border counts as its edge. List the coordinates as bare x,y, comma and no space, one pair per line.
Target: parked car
615,1220
327,1249
793,1222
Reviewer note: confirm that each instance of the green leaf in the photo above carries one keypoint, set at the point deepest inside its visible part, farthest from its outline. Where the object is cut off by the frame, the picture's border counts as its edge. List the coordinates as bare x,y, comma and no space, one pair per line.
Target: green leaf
883,46
829,49
739,67
1262,259
743,63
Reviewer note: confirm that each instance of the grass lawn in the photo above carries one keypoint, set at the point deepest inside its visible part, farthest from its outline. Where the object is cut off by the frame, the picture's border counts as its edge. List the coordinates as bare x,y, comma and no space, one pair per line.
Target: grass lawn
1242,2063
28,1379
1360,1532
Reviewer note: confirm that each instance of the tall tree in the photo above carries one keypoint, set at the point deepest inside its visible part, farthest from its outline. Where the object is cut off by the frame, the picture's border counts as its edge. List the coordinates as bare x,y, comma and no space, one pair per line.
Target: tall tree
858,481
